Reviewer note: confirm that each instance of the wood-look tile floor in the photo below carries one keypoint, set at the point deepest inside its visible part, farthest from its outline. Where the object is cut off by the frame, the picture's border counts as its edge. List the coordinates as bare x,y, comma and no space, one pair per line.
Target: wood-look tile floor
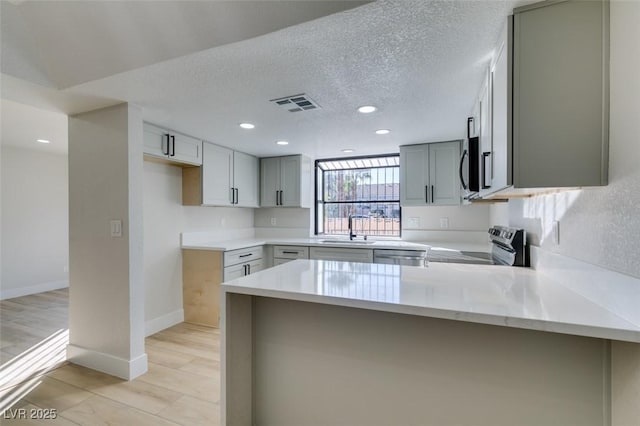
182,385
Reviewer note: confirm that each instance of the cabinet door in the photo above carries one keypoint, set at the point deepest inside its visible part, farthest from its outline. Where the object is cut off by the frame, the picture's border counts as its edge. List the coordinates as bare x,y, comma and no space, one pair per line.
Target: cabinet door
269,181
155,141
414,175
444,158
501,117
245,179
186,149
235,271
486,149
290,181
560,92
255,266
217,173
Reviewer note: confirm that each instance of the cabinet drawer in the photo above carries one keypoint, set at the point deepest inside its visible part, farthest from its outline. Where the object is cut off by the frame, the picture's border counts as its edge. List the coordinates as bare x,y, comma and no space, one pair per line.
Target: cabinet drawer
342,254
291,252
245,255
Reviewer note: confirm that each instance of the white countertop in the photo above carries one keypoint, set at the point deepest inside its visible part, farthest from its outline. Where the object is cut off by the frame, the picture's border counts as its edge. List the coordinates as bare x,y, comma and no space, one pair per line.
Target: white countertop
497,295
250,242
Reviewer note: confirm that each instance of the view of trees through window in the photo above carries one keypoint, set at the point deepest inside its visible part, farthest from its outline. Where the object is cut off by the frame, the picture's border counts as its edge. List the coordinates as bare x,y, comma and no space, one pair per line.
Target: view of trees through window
367,189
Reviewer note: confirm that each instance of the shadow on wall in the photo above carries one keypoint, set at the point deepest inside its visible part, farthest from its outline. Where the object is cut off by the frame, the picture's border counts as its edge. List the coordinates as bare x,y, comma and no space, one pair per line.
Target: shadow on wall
537,214
596,225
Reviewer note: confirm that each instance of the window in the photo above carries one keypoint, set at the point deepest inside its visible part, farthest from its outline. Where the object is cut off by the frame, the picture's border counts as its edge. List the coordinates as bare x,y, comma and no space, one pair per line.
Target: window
365,188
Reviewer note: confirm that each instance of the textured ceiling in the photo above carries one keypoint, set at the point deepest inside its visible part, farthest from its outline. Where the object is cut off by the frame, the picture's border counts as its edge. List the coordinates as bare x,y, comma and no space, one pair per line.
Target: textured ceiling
64,43
420,62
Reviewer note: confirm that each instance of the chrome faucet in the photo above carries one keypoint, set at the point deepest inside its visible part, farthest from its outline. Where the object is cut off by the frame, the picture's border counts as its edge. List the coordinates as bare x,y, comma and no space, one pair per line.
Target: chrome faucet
350,225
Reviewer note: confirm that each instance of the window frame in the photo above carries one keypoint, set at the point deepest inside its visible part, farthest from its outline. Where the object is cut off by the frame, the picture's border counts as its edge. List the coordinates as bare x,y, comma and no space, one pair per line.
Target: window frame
320,201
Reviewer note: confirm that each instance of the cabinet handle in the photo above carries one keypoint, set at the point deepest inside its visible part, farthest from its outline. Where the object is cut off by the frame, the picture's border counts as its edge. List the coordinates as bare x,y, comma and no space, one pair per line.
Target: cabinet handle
277,194
244,269
173,144
290,252
168,145
249,268
464,185
485,184
426,194
246,255
433,200
236,194
232,196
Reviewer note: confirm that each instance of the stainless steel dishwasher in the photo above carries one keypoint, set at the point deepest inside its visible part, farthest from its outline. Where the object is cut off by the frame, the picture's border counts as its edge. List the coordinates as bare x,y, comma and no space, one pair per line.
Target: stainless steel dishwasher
401,257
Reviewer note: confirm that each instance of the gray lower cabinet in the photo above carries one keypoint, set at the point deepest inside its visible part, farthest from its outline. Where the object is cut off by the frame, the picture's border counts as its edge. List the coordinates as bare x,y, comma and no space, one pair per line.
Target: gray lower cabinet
561,94
341,254
284,254
429,174
241,262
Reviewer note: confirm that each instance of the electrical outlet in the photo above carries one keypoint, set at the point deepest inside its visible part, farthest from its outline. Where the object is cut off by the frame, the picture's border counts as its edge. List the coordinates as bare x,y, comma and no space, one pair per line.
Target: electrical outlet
116,228
555,232
274,222
444,222
413,222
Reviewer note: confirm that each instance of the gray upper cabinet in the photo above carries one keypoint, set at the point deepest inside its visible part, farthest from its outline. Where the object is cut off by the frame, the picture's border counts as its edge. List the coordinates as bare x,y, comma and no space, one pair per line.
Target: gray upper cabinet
561,94
429,174
171,146
246,170
226,178
217,176
285,181
500,83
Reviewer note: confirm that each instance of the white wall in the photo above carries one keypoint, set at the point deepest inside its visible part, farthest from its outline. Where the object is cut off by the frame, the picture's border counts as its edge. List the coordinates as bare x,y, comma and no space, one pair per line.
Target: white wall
290,222
467,223
164,219
601,225
35,221
106,299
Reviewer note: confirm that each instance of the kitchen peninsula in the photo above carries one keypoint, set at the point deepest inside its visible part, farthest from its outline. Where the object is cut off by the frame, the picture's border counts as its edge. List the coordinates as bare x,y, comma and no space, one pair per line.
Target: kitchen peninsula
327,342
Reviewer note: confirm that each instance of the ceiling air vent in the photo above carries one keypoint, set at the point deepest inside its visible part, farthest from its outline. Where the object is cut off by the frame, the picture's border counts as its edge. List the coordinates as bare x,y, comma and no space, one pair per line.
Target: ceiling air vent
296,103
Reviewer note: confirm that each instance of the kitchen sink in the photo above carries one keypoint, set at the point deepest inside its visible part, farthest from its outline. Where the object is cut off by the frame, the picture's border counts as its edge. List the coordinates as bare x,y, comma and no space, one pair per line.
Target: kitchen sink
340,241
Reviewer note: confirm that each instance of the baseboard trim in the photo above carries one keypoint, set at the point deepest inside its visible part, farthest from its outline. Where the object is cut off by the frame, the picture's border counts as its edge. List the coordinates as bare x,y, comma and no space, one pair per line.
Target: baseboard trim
11,293
165,321
106,363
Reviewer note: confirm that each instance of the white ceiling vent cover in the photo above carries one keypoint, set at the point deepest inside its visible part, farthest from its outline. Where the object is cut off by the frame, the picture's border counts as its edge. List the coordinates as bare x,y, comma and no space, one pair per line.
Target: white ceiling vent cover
296,103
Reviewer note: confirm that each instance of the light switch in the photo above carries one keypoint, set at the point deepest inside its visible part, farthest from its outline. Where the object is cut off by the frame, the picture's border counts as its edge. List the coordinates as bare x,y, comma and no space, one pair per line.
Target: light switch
116,228
414,222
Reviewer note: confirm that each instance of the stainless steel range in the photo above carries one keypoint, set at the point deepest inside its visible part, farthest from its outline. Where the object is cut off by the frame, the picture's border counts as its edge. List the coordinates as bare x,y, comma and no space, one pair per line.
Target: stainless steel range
509,247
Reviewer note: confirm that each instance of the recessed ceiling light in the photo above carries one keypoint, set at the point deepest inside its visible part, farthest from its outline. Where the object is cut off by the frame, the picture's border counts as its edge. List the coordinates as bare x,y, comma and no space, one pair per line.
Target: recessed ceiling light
247,125
282,143
348,150
382,132
43,141
366,109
